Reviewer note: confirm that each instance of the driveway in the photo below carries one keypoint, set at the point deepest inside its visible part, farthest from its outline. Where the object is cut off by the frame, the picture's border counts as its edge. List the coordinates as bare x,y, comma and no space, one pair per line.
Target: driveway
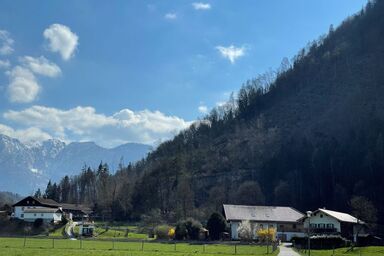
286,250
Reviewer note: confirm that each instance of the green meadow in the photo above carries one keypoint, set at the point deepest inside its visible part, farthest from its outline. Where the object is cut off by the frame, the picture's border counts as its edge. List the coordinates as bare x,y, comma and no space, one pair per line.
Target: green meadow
51,247
358,251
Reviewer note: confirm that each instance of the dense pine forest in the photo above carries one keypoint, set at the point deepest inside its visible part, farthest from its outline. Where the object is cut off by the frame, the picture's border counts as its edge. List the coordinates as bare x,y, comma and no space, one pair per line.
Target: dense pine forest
307,135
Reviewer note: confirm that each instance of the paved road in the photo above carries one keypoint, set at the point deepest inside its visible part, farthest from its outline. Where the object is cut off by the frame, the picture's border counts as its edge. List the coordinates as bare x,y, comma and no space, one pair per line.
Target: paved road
286,250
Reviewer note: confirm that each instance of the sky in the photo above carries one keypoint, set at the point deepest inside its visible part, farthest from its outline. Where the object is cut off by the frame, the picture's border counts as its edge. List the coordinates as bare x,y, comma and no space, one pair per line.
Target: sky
140,71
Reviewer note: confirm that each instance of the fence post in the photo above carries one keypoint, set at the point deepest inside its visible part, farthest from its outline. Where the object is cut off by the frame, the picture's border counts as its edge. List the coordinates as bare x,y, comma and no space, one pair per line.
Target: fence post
175,246
203,248
81,243
53,242
333,251
142,245
25,240
235,249
113,244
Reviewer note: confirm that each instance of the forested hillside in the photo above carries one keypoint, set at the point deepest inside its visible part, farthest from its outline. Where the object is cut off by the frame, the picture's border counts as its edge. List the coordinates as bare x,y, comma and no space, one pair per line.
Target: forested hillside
309,135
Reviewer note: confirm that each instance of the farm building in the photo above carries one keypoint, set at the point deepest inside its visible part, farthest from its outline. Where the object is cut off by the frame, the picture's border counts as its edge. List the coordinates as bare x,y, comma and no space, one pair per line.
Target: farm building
76,211
284,219
30,208
323,222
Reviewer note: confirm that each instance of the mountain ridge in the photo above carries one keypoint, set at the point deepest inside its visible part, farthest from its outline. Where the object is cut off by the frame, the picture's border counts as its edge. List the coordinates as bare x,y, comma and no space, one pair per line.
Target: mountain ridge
26,167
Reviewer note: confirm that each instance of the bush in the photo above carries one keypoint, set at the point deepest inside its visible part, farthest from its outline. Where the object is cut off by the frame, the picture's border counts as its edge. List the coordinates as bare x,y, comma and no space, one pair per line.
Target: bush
321,242
181,231
216,225
188,229
162,231
171,233
193,228
266,235
245,231
38,223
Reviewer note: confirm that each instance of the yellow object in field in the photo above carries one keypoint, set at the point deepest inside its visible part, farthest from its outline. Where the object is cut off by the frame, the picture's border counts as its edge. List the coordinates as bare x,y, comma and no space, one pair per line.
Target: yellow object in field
171,233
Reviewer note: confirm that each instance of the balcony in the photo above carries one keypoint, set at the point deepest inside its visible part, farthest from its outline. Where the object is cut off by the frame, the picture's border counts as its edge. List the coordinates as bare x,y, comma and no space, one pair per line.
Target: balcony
323,230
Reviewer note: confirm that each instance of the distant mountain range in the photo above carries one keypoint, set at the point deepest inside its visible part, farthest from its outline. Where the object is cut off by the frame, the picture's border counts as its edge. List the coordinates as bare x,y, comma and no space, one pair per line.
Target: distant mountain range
24,168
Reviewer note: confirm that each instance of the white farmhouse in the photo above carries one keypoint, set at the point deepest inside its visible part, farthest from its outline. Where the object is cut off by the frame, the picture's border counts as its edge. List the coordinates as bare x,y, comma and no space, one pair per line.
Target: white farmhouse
284,219
323,221
30,208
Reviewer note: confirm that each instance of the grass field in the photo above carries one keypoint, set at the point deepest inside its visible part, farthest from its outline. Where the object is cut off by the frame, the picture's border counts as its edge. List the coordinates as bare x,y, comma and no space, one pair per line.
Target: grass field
358,251
45,247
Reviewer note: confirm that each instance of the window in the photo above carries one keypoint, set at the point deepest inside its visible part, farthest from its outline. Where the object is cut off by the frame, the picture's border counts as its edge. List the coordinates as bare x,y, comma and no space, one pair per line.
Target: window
27,202
281,226
34,214
330,225
42,215
22,215
294,226
321,215
22,208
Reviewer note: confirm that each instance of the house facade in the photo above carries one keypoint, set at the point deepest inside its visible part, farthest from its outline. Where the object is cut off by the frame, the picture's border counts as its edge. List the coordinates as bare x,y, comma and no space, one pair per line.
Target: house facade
285,220
30,208
327,222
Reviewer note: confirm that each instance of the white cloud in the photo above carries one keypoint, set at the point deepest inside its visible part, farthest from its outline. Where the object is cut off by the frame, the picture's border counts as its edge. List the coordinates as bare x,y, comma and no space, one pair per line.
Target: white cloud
25,135
23,86
62,40
203,109
231,52
83,123
4,64
6,43
41,66
201,6
170,16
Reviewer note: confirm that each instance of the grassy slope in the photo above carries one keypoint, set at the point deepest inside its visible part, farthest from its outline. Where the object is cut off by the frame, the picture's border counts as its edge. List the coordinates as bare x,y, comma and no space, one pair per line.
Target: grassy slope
42,247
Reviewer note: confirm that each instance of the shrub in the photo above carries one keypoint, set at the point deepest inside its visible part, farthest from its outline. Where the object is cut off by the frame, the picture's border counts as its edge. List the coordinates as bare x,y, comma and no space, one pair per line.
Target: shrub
162,231
193,228
188,229
181,231
267,234
171,233
245,231
321,242
38,223
216,225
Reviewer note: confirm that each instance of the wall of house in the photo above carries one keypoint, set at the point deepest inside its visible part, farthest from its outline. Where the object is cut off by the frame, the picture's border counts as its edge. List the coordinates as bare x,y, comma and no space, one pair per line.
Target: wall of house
47,217
258,225
19,210
322,218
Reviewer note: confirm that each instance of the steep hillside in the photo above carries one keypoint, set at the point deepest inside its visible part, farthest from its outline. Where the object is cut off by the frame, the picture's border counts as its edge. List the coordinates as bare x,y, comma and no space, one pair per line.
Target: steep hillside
311,138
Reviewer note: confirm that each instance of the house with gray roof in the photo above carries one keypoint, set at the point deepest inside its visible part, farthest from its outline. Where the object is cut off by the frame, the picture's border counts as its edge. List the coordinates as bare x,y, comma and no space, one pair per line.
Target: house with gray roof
327,222
286,220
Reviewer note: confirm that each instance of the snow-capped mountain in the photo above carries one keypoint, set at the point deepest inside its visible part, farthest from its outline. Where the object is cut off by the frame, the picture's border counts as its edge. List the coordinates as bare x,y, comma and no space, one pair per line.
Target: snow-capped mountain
24,168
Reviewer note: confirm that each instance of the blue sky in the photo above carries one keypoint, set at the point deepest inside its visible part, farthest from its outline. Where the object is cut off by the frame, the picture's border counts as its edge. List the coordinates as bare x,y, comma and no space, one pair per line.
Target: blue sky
139,71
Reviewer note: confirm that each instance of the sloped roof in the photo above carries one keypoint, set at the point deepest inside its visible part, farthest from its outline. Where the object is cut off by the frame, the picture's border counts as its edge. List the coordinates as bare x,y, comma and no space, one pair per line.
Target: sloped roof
76,207
42,201
261,213
341,216
41,210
